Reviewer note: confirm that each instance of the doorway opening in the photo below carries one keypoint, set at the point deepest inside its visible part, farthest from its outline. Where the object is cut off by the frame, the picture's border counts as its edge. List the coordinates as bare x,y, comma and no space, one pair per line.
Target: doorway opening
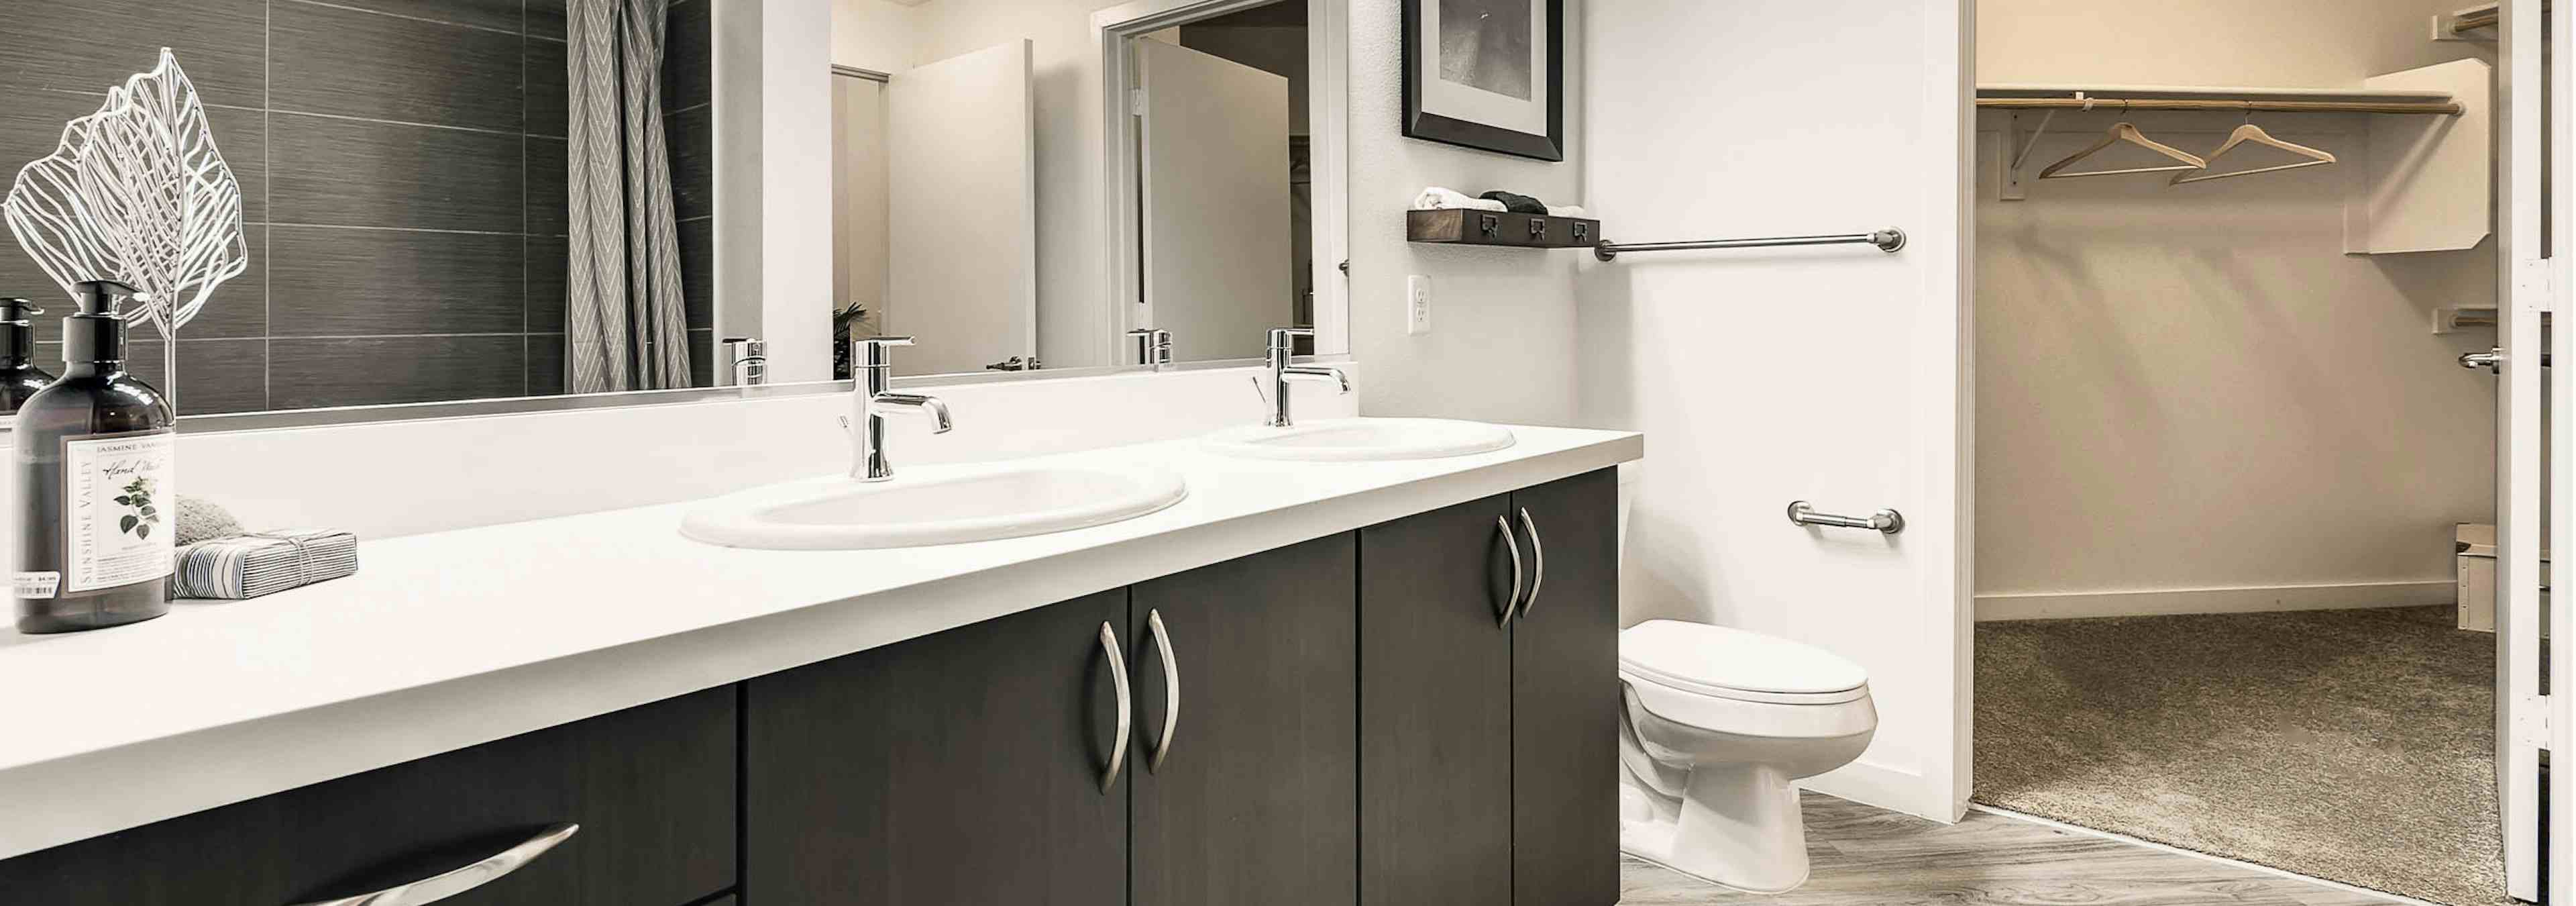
2237,495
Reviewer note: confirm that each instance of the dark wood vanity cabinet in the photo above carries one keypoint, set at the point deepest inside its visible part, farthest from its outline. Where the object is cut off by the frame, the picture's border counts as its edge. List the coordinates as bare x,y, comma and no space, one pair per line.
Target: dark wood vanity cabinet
1346,720
1565,697
1488,760
651,788
968,766
960,767
1255,801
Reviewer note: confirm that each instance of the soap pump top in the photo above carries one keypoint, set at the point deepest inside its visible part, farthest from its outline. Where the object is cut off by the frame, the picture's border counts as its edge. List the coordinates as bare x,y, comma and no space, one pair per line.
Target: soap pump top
94,335
19,376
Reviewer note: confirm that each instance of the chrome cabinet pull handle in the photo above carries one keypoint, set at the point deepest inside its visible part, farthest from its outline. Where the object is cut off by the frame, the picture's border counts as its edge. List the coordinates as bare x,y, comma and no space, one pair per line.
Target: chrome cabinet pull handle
1538,568
1171,688
1883,521
440,887
1514,545
1117,679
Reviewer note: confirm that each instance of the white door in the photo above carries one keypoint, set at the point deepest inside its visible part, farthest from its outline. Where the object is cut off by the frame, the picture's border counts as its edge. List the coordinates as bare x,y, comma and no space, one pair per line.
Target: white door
1832,374
961,270
1218,262
2533,258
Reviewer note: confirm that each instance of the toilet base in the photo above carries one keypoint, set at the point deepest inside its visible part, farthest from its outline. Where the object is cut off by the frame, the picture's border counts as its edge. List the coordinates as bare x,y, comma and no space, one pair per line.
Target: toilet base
1737,826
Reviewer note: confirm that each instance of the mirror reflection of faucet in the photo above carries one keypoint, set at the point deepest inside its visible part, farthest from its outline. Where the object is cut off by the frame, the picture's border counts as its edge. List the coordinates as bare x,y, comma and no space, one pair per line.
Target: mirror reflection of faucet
872,401
1283,344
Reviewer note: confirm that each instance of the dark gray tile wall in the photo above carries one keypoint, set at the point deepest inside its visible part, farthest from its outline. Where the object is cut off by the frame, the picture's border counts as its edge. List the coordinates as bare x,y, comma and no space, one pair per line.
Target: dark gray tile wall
402,167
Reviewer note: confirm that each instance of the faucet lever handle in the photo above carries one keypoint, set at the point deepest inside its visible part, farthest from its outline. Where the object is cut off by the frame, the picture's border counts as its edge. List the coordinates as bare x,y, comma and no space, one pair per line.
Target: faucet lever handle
870,352
1279,336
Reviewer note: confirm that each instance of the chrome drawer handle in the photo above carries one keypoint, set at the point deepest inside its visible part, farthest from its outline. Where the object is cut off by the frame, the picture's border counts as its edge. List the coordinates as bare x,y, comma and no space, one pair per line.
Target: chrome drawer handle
1538,566
1171,688
431,890
1514,545
1118,679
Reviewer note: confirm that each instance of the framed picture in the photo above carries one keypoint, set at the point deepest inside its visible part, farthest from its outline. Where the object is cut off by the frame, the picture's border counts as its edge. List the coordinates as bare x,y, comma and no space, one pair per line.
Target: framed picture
1486,74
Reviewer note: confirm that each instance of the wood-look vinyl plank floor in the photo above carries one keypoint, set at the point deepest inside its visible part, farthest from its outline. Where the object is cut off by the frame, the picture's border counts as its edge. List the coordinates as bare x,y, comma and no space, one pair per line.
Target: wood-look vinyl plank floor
1870,857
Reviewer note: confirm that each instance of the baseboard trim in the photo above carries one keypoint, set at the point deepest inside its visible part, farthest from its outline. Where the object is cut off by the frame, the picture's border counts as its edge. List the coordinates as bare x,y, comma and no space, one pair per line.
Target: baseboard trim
2249,599
1881,786
2196,854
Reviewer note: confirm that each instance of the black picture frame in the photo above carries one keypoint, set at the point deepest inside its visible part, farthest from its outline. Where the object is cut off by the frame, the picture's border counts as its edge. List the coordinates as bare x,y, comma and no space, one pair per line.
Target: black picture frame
1484,136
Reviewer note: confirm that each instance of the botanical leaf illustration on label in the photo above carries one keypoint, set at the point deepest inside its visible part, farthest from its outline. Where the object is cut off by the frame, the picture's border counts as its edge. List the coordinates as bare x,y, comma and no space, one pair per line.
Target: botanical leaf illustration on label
137,496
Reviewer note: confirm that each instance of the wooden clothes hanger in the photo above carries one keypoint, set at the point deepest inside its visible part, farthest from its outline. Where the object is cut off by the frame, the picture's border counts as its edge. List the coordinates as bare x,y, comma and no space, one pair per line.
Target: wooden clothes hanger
2253,133
2125,132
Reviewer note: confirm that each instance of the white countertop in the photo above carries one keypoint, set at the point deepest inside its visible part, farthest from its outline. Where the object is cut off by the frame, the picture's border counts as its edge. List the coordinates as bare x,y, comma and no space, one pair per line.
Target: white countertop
452,639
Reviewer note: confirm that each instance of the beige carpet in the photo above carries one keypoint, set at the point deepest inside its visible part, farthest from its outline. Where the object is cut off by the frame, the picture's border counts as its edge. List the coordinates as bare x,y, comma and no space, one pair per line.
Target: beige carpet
2353,745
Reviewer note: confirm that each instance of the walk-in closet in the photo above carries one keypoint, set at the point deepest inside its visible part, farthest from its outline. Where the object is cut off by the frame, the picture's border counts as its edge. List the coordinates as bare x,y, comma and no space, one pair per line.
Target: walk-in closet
2238,319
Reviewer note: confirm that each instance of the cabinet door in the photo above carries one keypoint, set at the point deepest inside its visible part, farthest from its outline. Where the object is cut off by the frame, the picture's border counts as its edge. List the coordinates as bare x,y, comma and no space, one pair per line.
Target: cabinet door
1255,802
652,788
958,768
1435,710
1565,696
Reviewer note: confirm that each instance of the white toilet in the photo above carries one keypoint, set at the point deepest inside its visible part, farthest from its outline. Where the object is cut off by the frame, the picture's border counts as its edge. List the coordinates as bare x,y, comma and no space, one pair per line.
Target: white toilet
1715,723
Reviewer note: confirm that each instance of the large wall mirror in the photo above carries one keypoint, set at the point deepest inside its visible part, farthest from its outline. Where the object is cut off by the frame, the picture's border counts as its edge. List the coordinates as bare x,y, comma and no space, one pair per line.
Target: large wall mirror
470,200
1046,184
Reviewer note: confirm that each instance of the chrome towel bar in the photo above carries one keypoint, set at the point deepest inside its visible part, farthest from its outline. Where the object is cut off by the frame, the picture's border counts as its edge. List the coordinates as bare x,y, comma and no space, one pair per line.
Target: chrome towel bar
1884,521
1887,240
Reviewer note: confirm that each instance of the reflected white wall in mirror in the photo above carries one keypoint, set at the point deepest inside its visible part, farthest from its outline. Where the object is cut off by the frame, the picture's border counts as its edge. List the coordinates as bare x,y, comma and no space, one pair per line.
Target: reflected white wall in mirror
1199,218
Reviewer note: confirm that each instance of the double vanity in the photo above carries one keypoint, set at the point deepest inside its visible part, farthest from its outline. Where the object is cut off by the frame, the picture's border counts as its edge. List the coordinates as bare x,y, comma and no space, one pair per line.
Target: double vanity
1353,661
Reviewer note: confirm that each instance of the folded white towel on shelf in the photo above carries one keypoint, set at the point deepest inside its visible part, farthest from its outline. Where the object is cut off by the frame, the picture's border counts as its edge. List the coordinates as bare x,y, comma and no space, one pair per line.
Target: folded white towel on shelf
1436,198
1565,210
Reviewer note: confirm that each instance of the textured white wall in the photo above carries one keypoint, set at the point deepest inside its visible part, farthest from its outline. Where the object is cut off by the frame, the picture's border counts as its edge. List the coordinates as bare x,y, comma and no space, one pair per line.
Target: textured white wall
1501,346
2189,398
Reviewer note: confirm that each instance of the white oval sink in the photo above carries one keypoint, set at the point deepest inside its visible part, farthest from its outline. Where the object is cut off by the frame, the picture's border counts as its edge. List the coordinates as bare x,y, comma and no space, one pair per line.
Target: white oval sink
933,505
1362,439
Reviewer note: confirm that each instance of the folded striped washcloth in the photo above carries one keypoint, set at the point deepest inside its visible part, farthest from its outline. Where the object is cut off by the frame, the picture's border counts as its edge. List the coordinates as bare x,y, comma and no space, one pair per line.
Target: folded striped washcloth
248,566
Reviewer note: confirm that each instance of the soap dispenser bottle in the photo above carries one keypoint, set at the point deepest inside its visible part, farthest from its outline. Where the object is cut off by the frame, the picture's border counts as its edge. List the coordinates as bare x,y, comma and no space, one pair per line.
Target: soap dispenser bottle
95,457
19,376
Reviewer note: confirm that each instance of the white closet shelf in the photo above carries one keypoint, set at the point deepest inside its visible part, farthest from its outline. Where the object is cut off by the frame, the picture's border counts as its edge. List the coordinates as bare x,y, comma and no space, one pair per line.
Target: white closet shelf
2020,96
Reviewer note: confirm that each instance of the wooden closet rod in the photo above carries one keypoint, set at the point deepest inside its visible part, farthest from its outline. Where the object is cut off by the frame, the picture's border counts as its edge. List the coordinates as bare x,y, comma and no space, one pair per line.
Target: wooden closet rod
2436,108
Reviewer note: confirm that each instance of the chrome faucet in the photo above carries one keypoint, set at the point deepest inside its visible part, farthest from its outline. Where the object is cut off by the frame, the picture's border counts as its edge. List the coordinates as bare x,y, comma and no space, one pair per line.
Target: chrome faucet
1282,345
868,363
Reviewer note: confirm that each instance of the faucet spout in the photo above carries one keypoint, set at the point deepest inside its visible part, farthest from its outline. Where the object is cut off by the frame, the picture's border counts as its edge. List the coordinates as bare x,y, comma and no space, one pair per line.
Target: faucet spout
914,403
1320,373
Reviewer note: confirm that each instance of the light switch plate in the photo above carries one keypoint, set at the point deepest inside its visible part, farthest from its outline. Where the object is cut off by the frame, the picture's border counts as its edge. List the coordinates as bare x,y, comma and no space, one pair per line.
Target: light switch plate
1417,305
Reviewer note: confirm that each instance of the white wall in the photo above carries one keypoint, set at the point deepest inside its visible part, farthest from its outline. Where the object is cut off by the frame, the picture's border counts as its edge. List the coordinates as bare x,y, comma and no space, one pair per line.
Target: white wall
2190,399
1831,374
875,35
1501,346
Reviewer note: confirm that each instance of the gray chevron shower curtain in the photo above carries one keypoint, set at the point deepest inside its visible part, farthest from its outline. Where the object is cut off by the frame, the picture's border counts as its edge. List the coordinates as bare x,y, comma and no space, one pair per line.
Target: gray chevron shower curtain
625,325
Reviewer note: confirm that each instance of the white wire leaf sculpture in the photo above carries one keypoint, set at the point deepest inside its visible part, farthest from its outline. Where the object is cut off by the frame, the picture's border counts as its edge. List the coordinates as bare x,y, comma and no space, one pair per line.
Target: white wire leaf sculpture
137,193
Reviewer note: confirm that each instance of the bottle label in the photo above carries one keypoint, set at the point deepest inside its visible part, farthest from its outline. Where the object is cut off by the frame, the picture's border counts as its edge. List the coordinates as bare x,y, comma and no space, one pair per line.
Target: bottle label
118,509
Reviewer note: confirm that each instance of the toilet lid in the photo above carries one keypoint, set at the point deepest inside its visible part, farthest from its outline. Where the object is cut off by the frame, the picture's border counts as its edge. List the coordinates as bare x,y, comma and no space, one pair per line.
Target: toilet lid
1718,660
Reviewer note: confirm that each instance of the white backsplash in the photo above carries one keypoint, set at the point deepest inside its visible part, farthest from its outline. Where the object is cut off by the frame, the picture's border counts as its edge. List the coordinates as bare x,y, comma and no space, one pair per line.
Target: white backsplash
387,479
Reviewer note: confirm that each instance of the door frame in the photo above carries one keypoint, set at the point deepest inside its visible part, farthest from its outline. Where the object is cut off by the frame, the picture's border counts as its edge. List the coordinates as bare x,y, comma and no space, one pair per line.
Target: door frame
1959,475
1328,128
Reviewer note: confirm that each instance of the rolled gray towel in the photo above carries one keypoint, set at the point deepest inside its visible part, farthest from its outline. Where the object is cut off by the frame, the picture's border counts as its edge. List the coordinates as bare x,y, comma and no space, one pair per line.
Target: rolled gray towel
201,520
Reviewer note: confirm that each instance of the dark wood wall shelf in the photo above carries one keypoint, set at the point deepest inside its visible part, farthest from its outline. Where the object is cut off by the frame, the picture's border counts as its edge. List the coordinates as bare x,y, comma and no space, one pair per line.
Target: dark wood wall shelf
1455,226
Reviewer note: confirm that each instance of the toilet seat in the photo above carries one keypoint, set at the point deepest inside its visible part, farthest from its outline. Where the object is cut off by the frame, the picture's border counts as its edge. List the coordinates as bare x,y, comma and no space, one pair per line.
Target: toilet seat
1733,664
